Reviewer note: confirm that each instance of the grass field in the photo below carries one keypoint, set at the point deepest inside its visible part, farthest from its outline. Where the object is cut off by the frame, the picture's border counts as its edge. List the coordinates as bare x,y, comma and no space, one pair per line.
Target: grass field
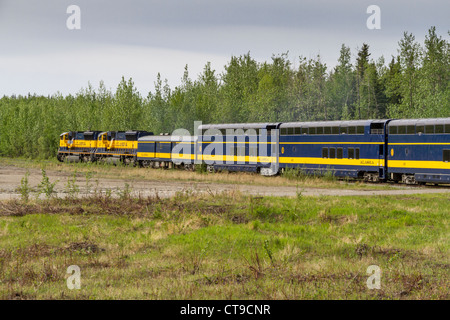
226,246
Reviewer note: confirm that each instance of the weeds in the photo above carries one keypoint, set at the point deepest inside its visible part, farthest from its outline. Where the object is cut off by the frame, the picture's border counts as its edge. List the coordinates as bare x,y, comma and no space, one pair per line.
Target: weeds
72,188
45,186
24,188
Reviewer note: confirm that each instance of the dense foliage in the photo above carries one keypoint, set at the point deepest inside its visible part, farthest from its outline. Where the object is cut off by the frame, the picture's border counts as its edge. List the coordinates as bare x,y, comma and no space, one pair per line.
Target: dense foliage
413,84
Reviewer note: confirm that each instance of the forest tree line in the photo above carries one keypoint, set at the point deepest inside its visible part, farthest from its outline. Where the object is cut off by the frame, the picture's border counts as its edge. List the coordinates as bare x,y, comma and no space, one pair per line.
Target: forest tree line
412,84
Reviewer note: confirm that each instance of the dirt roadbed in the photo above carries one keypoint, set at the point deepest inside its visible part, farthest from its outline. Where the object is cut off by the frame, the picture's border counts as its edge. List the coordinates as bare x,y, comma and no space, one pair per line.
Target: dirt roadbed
11,176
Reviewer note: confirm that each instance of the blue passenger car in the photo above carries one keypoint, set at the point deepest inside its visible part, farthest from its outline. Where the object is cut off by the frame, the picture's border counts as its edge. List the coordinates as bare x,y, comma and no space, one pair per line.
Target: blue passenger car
166,151
419,150
251,147
344,148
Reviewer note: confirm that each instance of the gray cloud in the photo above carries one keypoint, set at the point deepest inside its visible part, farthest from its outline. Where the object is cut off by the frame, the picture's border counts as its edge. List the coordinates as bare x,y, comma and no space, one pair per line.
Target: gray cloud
204,30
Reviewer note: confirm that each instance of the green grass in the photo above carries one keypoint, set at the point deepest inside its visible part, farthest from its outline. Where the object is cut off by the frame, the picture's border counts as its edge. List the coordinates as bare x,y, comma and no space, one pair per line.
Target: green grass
226,246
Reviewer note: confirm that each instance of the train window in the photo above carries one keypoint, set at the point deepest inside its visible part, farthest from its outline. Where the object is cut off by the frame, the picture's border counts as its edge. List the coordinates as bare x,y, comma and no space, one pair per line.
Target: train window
356,153
290,131
312,130
351,130
447,128
324,152
410,129
351,153
304,130
446,155
319,130
420,129
340,153
344,130
332,153
429,129
334,130
439,128
401,130
283,131
327,130
360,130
393,130
297,131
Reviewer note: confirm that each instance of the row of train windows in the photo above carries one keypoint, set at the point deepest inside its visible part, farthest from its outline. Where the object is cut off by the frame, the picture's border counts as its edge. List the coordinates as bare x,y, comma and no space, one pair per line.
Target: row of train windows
338,153
429,129
240,150
322,130
237,132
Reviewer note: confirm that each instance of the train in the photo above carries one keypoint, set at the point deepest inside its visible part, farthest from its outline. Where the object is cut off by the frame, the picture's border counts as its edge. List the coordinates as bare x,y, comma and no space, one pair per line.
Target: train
409,151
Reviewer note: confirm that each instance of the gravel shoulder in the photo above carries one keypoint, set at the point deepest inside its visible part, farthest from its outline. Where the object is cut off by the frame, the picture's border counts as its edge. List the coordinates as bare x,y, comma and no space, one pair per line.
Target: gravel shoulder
11,176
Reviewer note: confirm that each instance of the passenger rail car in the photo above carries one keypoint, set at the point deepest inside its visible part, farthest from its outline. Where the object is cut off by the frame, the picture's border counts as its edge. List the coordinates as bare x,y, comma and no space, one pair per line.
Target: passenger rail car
249,147
353,149
166,152
419,151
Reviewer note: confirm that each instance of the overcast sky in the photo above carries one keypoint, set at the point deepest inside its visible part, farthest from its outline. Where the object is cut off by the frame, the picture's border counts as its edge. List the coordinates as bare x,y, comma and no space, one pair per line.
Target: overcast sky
139,38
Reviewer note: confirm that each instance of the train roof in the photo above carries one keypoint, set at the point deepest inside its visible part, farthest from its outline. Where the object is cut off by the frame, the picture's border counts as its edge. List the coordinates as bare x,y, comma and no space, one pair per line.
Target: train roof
329,123
263,125
406,122
168,138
